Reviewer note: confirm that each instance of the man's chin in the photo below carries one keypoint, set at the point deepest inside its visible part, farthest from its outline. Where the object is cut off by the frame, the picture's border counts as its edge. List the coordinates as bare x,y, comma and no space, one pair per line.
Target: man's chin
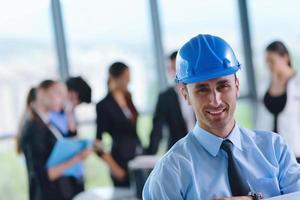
219,123
217,119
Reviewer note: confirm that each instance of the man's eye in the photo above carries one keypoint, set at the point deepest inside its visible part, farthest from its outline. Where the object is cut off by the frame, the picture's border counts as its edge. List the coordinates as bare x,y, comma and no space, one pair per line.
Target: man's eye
225,86
203,90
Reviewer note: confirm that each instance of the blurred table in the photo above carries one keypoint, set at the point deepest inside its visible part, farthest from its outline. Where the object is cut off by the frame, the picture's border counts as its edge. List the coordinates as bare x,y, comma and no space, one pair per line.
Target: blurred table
106,193
139,170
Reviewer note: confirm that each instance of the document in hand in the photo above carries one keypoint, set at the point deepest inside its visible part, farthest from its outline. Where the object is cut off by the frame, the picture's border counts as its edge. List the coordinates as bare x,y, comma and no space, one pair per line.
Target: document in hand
291,196
64,149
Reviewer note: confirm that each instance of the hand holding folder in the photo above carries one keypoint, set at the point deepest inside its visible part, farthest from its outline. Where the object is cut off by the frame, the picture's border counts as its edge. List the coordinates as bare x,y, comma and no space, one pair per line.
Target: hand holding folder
64,149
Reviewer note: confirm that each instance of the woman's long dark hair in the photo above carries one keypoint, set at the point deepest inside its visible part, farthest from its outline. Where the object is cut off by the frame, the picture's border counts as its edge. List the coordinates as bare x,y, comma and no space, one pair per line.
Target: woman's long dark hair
279,48
115,71
31,97
29,110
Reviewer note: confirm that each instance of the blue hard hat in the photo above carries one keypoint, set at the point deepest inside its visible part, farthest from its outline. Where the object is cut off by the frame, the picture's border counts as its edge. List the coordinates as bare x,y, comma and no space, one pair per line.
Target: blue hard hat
205,57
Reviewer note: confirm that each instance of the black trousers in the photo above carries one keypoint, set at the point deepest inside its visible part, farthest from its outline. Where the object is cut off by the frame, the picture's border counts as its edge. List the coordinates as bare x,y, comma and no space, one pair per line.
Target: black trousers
70,187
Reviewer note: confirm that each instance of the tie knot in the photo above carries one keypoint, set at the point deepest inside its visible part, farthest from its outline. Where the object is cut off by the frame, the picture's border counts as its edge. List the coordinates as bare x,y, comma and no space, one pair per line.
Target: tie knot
227,146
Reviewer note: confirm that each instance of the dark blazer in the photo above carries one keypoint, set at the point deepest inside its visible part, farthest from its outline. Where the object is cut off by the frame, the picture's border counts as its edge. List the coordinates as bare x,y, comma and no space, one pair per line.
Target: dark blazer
37,142
125,142
167,112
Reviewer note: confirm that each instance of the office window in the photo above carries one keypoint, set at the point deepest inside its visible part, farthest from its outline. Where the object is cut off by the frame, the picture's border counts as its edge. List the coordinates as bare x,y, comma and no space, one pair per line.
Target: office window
27,56
101,32
273,20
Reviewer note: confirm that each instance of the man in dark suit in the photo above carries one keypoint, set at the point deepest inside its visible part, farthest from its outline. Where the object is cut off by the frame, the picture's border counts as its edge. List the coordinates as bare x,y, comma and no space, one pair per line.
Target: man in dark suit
171,110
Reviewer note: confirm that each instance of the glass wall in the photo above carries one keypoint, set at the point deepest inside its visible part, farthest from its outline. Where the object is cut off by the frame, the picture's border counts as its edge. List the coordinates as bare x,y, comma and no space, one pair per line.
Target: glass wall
27,56
101,32
269,21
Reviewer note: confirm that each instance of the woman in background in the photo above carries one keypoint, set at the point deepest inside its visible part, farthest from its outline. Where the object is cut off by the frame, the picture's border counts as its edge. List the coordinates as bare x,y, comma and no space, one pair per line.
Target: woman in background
37,140
282,99
117,115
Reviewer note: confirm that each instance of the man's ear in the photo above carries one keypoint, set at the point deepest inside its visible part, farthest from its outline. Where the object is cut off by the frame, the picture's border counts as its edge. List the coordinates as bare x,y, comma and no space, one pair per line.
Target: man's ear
237,84
185,93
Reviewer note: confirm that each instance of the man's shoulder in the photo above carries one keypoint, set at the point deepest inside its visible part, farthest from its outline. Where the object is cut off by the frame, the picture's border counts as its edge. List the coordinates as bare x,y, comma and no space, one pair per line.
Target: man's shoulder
267,143
183,145
179,152
261,137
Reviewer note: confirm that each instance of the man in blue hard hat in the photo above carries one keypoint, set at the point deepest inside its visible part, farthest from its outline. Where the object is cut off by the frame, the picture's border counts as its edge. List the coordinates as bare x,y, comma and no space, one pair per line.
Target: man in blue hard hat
219,159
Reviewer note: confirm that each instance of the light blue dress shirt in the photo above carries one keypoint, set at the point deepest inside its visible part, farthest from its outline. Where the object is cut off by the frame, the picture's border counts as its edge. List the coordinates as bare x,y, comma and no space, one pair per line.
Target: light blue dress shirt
196,168
60,120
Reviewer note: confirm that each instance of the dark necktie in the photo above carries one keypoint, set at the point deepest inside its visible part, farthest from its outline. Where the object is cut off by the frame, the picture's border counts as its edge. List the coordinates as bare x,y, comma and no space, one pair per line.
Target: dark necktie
238,185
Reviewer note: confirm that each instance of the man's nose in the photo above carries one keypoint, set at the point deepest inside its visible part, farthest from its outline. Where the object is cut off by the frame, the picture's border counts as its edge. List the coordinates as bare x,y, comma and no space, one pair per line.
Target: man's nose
215,98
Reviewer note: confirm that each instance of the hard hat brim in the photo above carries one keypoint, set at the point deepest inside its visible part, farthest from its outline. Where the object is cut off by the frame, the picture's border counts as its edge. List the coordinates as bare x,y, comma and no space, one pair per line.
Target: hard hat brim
206,77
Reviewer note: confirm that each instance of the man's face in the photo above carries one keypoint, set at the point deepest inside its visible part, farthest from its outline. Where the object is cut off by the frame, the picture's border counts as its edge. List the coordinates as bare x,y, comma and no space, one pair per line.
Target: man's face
213,101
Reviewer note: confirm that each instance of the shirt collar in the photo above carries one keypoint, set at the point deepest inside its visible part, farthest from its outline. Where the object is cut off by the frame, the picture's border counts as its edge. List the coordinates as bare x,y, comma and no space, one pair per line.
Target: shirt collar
44,116
212,143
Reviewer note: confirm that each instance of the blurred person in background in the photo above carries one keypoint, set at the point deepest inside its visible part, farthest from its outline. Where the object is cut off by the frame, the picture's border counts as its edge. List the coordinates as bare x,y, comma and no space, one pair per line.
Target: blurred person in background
78,92
282,99
171,110
75,92
37,140
117,115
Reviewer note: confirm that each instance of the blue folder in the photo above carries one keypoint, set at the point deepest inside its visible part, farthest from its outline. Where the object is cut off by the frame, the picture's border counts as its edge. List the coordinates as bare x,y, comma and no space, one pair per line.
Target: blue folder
64,149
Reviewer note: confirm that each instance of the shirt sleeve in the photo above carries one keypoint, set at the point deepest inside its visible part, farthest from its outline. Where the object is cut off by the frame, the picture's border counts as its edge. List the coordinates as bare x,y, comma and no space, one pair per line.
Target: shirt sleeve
289,169
163,183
